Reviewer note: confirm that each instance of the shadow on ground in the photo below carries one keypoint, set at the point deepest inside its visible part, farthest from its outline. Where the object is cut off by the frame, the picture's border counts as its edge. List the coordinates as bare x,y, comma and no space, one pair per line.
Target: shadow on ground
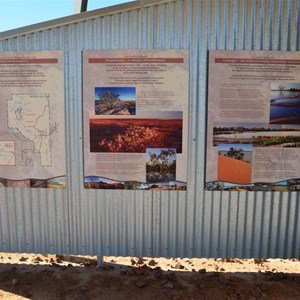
140,281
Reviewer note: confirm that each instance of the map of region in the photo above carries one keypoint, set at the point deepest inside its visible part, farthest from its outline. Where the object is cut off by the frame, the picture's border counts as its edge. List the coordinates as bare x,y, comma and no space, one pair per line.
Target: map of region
31,117
7,153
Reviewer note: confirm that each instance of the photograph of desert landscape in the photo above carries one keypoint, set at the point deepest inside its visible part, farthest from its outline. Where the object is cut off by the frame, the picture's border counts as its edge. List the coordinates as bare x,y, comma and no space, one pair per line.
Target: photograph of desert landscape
257,134
159,130
291,185
285,103
57,182
53,183
115,100
235,163
97,182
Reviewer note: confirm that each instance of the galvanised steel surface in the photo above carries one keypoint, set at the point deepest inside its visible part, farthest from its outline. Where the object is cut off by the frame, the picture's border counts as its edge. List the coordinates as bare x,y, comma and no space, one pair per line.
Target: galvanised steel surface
155,223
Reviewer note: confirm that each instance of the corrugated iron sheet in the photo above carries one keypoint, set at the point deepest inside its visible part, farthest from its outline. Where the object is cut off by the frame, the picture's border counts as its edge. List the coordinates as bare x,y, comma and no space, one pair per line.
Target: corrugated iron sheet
155,223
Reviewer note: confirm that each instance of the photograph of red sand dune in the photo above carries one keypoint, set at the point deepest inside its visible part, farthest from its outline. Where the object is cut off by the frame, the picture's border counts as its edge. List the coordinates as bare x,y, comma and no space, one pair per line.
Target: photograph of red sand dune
136,134
234,163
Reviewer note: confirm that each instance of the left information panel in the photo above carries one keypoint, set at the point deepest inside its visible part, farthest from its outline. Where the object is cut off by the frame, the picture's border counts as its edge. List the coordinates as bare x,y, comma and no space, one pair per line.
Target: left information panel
32,140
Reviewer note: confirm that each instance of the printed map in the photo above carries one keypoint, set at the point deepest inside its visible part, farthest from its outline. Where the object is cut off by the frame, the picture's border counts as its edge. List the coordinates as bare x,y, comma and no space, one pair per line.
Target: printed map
32,108
7,153
30,116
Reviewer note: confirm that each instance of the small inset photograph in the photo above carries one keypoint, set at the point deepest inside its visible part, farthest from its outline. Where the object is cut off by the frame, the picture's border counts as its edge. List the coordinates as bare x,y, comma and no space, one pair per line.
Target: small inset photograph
214,186
3,182
115,100
18,183
160,165
262,186
135,185
96,182
235,187
157,186
293,184
168,186
57,183
235,163
285,103
281,186
38,183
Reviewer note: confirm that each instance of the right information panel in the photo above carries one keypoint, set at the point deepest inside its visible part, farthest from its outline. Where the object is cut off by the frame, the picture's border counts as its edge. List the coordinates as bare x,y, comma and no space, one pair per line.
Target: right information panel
253,138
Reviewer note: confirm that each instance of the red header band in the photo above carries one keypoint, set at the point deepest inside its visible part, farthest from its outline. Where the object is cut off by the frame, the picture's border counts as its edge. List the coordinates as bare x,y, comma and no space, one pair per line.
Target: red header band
261,61
135,60
26,61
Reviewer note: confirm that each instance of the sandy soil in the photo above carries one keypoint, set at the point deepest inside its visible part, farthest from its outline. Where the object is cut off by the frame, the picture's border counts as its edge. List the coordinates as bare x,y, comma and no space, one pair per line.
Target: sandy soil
233,170
31,276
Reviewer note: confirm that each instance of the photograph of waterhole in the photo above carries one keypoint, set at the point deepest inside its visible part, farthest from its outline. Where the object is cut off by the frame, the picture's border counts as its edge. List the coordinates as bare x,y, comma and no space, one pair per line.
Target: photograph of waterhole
285,103
160,165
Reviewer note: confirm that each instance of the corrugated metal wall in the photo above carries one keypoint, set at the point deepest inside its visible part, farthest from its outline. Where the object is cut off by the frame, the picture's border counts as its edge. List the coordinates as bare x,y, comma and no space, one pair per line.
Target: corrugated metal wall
155,223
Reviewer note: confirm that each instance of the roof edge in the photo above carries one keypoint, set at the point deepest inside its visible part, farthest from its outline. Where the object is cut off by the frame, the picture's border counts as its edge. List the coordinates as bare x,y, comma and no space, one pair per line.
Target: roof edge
54,23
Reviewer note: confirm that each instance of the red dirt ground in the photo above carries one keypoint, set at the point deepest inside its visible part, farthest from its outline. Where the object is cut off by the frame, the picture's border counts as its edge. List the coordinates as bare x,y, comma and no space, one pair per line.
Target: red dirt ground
59,277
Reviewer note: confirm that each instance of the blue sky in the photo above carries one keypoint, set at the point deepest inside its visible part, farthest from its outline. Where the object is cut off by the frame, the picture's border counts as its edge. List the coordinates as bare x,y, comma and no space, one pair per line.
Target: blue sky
19,13
226,147
97,179
255,125
125,93
157,151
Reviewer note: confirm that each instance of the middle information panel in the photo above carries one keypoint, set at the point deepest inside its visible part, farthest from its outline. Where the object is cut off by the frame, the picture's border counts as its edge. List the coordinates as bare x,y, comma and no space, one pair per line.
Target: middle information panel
135,119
